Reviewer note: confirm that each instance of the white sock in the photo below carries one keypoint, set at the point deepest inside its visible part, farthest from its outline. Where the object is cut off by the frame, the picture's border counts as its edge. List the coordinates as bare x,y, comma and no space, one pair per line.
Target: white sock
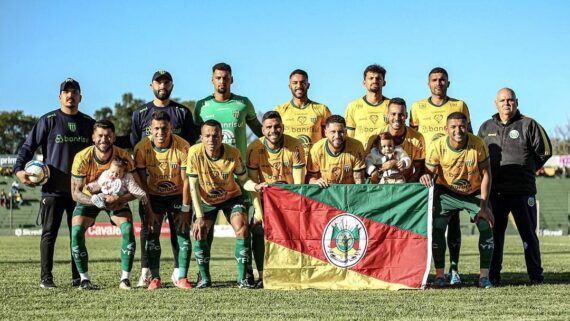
145,271
176,273
125,275
84,276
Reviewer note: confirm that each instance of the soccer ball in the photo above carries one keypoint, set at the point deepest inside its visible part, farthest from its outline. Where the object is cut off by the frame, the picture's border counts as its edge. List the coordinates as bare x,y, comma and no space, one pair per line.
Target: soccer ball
38,172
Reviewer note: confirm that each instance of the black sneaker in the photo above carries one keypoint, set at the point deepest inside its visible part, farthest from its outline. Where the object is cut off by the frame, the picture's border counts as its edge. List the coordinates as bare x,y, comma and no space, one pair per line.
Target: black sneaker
249,275
536,281
259,284
125,284
75,283
87,285
47,283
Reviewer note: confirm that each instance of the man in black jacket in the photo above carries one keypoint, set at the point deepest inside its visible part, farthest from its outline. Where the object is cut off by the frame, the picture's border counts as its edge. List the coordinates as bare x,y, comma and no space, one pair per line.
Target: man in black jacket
518,146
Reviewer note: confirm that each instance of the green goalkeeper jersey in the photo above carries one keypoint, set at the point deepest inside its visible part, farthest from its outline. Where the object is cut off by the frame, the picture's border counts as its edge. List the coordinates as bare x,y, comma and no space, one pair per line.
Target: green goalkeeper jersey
232,114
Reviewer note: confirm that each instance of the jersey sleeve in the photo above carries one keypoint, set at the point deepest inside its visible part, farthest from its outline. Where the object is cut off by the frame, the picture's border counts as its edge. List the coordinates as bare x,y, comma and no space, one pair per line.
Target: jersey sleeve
197,111
432,154
140,160
36,138
540,143
359,163
252,156
465,111
420,148
192,163
133,187
184,156
79,167
313,161
189,127
413,117
326,114
239,167
250,110
135,129
349,117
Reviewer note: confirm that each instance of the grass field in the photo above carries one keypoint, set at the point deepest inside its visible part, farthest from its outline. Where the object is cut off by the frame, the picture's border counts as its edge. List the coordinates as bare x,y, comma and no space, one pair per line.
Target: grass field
22,299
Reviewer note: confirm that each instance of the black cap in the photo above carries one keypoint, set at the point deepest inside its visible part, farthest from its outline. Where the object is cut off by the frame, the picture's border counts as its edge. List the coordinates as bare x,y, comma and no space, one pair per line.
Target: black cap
161,73
69,82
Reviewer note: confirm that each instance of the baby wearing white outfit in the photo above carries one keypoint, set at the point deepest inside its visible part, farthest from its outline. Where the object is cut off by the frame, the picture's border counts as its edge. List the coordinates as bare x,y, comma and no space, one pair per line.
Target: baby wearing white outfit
384,150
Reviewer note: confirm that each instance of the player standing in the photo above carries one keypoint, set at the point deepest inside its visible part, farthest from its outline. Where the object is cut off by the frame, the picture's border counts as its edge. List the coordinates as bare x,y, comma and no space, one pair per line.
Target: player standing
368,113
61,134
162,160
182,124
429,117
303,118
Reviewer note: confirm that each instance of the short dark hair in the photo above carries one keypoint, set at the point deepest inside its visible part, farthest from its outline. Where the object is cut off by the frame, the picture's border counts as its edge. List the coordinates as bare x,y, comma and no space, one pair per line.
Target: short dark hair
299,72
222,66
336,119
272,114
397,101
211,123
439,70
385,136
375,69
104,124
457,115
160,115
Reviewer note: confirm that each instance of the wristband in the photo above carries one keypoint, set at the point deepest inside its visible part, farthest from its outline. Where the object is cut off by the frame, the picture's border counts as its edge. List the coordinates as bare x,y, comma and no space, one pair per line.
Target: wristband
185,208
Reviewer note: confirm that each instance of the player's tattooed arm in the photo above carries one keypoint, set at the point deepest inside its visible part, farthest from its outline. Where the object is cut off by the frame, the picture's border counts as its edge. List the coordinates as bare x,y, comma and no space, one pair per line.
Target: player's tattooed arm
77,184
359,177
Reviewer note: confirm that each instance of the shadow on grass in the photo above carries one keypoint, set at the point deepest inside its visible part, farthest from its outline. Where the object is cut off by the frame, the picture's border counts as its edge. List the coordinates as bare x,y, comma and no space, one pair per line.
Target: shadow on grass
509,279
102,260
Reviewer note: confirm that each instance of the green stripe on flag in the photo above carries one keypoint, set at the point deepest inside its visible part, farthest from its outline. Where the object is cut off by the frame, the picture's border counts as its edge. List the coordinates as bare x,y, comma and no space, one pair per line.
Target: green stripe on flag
393,205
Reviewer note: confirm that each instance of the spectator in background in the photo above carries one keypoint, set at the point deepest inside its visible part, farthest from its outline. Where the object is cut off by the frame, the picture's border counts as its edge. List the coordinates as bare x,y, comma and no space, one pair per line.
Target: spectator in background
3,199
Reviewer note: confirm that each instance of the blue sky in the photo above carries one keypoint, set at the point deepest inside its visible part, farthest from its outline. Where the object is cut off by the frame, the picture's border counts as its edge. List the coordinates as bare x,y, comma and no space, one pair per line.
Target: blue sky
113,47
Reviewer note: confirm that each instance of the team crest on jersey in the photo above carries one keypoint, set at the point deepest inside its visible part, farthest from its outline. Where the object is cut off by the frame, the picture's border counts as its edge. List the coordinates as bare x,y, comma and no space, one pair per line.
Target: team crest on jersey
469,162
225,175
236,114
346,168
72,126
213,174
345,240
514,134
286,163
438,117
374,118
313,119
302,119
174,165
531,201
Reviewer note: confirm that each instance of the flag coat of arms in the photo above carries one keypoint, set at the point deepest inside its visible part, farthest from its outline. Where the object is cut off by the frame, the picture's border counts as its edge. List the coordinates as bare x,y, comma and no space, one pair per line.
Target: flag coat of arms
347,236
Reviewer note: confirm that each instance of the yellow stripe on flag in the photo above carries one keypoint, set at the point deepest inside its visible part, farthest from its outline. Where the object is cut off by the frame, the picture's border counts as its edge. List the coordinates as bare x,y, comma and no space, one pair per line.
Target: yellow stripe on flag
286,269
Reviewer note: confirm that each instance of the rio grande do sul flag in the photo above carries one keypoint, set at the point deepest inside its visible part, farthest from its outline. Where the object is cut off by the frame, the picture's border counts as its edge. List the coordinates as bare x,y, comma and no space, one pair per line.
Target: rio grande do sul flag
347,236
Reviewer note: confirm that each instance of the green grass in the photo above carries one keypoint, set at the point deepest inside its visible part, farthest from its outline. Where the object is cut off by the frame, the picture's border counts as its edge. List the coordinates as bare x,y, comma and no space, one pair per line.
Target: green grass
22,299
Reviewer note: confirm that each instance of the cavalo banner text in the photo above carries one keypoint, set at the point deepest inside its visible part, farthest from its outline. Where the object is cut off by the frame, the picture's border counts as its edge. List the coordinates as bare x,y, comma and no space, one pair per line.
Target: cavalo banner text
347,236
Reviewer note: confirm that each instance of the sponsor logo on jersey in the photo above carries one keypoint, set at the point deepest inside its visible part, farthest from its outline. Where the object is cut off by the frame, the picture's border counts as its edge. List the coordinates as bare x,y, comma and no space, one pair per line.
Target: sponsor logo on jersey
373,118
72,126
302,120
60,139
461,185
438,118
228,137
345,240
217,193
514,134
165,187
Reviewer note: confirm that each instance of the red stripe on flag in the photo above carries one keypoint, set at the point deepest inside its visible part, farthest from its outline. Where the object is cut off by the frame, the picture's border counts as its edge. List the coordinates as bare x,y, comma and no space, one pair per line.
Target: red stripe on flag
393,255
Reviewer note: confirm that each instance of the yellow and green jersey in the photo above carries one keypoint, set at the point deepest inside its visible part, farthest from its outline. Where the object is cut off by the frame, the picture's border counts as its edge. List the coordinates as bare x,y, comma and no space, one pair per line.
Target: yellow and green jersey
413,142
216,176
276,166
337,169
431,119
363,117
86,164
163,165
305,123
232,114
458,169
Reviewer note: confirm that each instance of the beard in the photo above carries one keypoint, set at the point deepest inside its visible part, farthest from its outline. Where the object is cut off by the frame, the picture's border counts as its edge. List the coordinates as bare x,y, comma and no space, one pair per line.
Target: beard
162,94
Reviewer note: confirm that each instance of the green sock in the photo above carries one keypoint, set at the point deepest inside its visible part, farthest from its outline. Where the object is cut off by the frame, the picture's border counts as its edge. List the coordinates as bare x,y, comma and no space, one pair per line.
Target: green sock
242,256
486,244
258,246
128,246
185,251
454,240
202,254
78,249
154,251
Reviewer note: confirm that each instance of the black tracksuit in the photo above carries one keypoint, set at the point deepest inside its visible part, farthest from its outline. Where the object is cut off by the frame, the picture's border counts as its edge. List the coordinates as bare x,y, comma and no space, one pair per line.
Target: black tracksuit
517,149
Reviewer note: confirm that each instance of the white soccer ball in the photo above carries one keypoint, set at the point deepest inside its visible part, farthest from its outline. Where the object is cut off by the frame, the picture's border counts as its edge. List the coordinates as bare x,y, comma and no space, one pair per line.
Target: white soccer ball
38,172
